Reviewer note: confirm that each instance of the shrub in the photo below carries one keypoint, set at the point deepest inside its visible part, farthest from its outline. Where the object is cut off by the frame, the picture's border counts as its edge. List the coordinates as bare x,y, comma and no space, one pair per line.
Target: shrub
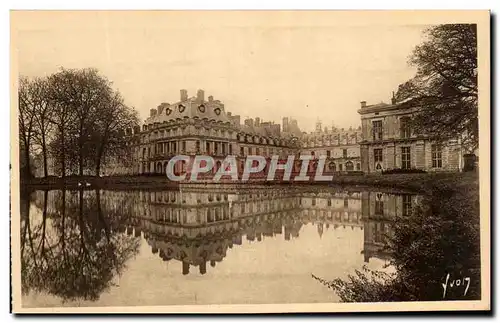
404,171
440,238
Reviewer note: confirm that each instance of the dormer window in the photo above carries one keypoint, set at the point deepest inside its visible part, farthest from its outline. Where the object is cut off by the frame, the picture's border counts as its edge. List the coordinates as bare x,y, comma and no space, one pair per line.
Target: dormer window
217,111
168,111
201,108
181,108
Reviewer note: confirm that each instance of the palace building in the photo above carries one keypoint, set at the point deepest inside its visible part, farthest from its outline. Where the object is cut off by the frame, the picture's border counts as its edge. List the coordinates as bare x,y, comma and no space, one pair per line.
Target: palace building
340,146
194,126
389,142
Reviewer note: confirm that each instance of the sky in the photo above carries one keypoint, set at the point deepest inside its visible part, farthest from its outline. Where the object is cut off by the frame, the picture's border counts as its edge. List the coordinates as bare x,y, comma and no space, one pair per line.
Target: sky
312,66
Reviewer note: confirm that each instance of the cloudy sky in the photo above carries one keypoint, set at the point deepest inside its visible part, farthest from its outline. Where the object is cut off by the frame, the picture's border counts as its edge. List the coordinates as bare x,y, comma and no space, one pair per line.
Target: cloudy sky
308,65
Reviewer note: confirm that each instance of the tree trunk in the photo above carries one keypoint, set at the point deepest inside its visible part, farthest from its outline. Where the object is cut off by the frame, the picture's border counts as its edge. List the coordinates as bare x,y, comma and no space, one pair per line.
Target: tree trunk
27,159
80,150
44,152
100,154
63,155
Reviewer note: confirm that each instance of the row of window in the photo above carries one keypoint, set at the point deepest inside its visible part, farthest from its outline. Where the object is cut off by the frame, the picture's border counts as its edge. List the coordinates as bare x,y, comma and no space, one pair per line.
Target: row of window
264,151
329,153
436,156
404,128
346,202
406,210
177,132
331,141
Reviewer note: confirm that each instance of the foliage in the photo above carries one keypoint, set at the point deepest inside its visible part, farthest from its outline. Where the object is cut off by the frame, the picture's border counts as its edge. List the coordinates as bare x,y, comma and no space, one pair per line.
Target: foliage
441,237
403,171
76,249
445,86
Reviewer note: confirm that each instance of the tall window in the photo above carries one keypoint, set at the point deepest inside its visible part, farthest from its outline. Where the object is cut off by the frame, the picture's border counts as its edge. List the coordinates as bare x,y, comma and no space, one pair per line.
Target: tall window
405,158
340,167
379,204
344,153
242,151
216,147
183,146
377,155
313,201
257,151
437,155
346,202
406,205
328,154
230,149
249,150
207,147
404,123
223,148
197,146
377,129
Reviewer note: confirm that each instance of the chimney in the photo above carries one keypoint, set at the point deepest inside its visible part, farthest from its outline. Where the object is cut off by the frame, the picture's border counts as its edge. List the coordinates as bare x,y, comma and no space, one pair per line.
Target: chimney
161,107
257,121
200,96
210,98
184,95
152,112
285,124
228,114
393,99
363,104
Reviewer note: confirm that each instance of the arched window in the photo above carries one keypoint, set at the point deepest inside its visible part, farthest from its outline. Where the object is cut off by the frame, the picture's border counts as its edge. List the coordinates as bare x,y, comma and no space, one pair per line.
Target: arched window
349,166
358,166
333,167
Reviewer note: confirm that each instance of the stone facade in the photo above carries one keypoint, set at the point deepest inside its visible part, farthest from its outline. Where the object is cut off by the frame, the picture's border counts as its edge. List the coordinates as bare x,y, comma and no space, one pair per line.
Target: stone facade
194,126
389,143
340,147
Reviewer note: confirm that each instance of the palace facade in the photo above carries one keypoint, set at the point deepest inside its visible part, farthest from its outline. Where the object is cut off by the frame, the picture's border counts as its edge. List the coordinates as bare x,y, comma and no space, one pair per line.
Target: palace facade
194,126
340,146
389,142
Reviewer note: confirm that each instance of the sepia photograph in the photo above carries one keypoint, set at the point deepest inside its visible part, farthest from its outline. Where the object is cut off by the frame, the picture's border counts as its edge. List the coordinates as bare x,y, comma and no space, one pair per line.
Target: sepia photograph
250,161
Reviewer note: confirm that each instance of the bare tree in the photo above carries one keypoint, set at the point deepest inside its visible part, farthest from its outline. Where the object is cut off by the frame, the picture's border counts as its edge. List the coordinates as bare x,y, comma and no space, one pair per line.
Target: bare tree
62,116
109,136
42,114
27,103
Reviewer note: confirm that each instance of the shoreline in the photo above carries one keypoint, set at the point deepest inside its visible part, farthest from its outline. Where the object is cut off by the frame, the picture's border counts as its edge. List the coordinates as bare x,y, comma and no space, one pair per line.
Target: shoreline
418,183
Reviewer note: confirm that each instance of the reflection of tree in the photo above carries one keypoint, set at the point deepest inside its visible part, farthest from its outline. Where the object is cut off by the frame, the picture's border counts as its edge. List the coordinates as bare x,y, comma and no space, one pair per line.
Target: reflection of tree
441,237
75,252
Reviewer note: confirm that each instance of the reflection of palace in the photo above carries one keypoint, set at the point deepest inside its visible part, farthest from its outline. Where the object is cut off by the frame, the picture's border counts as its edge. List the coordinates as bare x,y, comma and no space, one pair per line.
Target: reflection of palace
197,227
379,210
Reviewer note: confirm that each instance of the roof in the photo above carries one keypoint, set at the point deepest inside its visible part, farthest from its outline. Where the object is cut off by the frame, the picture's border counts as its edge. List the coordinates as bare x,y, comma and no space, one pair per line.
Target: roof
190,108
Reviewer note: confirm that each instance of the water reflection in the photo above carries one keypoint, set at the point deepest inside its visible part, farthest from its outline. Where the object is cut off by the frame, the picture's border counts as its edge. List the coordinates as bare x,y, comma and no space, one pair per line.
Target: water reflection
74,244
74,249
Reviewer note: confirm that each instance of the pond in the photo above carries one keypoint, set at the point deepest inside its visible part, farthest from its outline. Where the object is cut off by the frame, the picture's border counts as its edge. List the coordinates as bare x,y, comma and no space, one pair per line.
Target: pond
200,246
